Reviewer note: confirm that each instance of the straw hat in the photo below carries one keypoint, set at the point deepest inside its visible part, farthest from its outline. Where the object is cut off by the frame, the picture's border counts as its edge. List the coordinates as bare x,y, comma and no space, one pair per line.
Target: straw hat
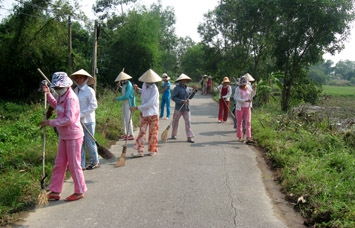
183,77
61,79
226,79
150,76
82,72
122,76
249,77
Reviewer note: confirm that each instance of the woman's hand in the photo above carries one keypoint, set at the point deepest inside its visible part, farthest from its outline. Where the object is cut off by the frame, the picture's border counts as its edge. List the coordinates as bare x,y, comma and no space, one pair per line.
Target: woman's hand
133,108
44,123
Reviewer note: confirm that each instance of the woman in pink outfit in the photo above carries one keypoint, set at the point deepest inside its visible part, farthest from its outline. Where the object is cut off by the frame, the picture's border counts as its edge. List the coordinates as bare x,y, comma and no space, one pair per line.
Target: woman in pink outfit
243,96
70,137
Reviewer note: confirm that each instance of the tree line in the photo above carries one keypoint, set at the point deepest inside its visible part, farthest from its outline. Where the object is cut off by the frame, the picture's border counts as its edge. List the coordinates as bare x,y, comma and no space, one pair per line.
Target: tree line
263,37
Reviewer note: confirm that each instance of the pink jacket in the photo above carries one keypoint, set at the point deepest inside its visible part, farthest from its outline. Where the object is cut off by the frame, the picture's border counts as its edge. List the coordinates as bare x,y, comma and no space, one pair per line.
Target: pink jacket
68,115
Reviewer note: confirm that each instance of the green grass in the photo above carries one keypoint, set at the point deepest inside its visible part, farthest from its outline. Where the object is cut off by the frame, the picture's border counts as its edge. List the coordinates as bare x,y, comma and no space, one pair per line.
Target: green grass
313,161
338,90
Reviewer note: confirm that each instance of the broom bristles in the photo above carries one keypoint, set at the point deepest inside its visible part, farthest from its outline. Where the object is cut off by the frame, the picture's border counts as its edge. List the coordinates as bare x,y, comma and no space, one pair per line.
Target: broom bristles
105,153
164,135
122,160
42,199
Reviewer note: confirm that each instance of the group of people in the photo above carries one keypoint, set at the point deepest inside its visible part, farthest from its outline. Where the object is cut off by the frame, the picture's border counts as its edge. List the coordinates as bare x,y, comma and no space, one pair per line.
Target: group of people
75,119
243,96
206,85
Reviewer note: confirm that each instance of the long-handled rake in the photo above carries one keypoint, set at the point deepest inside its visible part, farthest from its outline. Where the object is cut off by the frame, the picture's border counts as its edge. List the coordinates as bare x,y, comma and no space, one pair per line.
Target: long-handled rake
42,197
103,152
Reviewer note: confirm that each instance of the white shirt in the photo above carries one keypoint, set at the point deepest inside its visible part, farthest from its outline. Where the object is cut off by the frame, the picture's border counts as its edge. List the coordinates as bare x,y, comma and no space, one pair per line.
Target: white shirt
88,103
150,100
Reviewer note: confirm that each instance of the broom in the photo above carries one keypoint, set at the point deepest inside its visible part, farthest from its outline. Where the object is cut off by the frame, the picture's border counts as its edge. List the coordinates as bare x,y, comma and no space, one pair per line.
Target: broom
42,197
103,152
122,160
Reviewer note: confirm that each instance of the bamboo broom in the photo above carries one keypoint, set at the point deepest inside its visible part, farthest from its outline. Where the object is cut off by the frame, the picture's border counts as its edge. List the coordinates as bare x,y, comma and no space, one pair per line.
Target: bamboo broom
103,152
122,161
42,197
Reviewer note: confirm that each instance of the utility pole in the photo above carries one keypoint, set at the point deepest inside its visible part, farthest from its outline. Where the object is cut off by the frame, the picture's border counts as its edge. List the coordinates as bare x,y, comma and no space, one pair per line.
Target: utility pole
94,54
70,48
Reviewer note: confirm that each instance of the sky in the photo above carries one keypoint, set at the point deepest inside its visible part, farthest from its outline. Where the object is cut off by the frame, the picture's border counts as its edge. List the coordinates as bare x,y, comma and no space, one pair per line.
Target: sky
189,14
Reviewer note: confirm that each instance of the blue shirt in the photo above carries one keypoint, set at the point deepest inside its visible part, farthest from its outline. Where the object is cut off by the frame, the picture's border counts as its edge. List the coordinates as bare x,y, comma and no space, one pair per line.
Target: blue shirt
166,93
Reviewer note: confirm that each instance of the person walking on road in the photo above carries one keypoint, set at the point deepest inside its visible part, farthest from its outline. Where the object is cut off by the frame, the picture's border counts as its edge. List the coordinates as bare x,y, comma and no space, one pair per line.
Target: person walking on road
88,105
128,100
149,114
243,96
181,96
225,92
209,85
71,135
165,99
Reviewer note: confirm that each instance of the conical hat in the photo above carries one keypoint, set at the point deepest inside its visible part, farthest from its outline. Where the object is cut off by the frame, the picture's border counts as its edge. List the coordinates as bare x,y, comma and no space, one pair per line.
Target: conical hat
182,77
249,77
82,72
150,76
122,76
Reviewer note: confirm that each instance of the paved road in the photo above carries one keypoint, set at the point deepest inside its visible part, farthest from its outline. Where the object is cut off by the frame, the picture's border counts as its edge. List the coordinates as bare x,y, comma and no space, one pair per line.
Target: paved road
214,182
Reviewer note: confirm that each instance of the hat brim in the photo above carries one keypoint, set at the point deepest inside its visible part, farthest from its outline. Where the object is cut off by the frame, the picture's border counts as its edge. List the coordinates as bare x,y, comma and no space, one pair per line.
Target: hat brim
122,76
150,77
82,72
183,77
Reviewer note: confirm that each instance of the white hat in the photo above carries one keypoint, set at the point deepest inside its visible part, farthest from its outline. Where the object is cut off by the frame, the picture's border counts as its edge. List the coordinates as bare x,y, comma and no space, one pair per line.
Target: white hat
83,72
61,79
249,77
243,80
182,77
150,76
122,76
165,75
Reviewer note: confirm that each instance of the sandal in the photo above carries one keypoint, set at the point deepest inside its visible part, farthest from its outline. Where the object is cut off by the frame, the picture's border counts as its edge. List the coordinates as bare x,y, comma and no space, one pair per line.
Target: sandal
92,166
74,197
53,196
137,155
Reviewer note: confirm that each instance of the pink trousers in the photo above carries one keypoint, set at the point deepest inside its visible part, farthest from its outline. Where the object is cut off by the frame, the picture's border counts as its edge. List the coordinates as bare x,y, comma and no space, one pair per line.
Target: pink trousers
68,155
244,113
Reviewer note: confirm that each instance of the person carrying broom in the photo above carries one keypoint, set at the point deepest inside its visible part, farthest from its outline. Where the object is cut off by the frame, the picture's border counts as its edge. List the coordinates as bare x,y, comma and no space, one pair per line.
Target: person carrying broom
88,105
149,114
181,96
71,136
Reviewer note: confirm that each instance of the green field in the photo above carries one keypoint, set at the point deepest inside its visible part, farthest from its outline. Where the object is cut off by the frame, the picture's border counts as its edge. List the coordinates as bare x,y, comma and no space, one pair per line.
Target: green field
339,90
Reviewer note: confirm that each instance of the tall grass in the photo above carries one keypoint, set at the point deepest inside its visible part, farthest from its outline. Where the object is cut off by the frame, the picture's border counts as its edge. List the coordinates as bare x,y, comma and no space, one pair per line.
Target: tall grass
315,163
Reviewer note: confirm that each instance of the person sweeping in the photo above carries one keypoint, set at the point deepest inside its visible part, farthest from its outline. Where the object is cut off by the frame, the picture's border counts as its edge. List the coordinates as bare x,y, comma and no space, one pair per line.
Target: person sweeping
225,92
71,136
243,97
181,95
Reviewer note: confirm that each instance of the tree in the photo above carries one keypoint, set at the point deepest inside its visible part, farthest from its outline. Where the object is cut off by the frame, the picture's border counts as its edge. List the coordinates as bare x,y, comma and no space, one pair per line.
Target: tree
262,36
32,38
304,30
